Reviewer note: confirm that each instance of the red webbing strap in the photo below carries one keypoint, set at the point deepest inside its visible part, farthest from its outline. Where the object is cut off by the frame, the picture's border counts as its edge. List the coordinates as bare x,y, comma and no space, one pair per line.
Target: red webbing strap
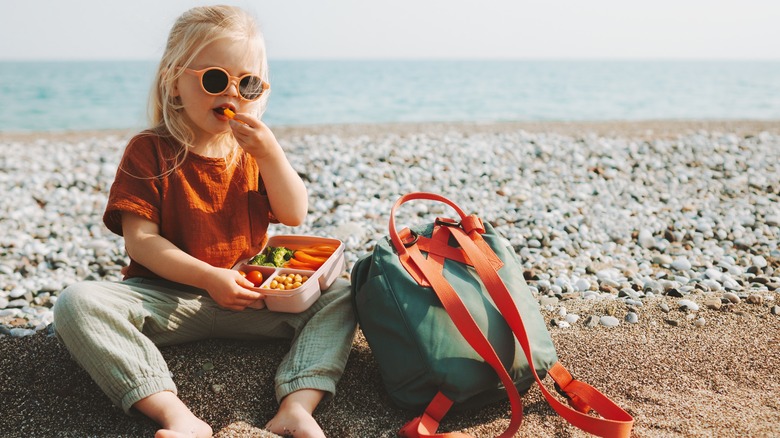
470,330
426,424
615,422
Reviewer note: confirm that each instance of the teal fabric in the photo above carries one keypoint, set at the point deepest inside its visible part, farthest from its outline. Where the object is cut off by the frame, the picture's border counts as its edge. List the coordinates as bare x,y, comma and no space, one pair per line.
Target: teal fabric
418,347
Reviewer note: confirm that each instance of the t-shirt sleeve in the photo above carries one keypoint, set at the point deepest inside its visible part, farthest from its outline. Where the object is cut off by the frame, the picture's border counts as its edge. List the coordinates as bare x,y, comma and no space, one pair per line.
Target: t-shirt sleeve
137,186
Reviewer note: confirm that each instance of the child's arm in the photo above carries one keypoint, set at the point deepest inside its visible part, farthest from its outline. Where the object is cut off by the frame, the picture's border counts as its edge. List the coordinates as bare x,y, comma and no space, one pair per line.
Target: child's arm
145,245
286,192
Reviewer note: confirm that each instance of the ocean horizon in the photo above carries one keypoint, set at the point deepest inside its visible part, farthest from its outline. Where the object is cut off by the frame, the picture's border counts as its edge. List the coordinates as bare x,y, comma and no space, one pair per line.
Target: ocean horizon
97,95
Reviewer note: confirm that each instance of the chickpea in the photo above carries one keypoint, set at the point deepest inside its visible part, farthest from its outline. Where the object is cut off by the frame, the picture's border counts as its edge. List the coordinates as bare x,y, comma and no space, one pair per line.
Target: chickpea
287,281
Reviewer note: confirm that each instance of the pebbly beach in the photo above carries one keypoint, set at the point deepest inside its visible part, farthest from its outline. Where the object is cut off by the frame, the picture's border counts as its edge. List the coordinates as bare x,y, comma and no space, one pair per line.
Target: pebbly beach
651,246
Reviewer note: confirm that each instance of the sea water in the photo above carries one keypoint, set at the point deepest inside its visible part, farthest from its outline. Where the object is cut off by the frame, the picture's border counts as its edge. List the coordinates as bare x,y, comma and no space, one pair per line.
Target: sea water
79,95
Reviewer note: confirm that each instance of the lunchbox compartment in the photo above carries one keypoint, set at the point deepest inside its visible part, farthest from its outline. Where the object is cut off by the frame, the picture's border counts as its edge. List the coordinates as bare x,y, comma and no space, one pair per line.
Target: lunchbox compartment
266,287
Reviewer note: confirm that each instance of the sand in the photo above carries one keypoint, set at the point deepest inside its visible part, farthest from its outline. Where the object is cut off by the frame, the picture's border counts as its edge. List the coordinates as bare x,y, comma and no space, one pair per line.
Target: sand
718,380
675,378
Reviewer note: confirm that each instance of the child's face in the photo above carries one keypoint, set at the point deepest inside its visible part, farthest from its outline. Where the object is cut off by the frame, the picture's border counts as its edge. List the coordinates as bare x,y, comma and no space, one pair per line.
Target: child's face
199,106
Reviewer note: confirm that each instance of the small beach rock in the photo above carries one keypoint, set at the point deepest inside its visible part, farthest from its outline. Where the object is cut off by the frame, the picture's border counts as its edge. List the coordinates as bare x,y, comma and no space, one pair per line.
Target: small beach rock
713,303
21,332
609,321
688,305
681,264
646,239
759,261
662,259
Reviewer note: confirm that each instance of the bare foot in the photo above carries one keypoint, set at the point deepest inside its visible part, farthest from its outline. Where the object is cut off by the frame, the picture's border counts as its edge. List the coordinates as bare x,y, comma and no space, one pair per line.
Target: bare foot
294,418
176,419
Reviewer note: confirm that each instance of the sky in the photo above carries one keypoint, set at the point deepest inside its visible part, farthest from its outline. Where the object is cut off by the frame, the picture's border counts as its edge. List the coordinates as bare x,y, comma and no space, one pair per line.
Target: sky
410,29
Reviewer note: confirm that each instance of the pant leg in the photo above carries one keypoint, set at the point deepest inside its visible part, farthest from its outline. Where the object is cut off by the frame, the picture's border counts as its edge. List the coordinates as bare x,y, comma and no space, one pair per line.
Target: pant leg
321,336
111,329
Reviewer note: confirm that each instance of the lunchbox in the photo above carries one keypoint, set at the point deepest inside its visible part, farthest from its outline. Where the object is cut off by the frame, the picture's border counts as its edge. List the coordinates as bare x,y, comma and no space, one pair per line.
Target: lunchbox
299,299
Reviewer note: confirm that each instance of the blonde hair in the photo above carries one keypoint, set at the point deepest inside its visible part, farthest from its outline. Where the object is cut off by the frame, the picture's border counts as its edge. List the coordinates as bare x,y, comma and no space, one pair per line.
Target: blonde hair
190,34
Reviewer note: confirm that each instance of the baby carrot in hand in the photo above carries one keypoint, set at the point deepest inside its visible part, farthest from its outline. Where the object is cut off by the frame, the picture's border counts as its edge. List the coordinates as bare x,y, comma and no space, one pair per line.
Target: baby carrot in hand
231,115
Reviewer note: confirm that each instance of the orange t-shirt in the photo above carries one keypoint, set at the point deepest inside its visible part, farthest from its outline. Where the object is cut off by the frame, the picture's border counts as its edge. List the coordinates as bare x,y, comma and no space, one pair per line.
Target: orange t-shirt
214,212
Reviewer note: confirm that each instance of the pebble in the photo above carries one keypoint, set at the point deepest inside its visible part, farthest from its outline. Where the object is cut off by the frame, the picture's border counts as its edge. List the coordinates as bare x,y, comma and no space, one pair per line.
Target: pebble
646,239
759,261
609,321
632,318
681,264
700,322
688,305
582,239
713,303
21,332
663,259
572,318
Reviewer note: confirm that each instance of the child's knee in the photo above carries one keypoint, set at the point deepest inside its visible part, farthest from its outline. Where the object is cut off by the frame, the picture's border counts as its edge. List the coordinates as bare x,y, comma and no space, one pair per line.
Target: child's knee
75,300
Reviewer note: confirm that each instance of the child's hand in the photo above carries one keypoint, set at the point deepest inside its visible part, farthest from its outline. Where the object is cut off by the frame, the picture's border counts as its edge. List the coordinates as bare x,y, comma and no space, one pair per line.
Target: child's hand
254,136
229,289
286,191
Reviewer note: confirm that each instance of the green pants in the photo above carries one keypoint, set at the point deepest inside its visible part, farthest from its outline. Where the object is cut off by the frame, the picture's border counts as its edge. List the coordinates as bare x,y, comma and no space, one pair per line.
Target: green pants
113,331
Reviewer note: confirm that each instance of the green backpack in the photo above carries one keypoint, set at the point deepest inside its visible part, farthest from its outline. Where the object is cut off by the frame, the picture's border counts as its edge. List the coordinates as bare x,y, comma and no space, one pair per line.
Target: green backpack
452,323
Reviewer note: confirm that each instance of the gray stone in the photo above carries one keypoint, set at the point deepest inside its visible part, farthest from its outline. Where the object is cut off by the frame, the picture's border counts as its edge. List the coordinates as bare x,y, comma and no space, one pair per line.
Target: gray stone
609,321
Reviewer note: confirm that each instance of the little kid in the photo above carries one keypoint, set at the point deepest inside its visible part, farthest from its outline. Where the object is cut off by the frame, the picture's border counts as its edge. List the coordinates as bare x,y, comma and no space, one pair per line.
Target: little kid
193,195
